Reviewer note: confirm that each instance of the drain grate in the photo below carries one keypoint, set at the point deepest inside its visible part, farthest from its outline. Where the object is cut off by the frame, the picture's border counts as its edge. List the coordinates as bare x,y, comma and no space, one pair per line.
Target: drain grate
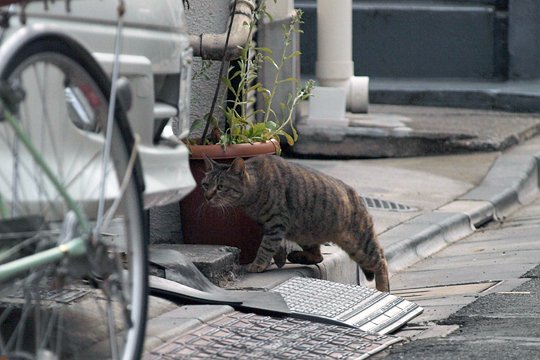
364,308
248,336
386,205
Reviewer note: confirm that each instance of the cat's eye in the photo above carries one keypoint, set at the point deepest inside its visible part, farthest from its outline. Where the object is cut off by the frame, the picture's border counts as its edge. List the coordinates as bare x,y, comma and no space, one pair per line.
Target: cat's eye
220,187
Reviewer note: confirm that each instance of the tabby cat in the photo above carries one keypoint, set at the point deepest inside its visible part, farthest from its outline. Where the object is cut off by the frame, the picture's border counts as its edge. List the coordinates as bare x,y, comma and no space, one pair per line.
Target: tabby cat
299,204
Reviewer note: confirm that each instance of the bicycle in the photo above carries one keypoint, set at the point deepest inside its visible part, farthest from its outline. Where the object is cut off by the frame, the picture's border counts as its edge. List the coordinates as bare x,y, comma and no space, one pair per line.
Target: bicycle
73,277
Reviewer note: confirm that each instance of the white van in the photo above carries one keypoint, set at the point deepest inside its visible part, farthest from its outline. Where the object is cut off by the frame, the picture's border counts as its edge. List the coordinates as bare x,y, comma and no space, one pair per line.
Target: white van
155,57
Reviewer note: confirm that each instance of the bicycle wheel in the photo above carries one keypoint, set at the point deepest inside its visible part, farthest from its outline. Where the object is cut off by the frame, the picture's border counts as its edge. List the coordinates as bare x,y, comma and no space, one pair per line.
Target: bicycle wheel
93,306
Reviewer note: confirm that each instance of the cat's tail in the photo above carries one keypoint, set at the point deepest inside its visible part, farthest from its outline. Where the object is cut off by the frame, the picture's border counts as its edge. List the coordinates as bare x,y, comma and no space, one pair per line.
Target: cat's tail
367,251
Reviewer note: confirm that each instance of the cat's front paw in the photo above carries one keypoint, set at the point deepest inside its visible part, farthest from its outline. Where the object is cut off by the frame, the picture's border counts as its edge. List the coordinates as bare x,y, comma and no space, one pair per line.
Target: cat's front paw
255,267
280,257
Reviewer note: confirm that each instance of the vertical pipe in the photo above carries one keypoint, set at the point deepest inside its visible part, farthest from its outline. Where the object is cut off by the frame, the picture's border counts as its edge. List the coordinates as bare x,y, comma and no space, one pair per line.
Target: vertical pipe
334,67
334,64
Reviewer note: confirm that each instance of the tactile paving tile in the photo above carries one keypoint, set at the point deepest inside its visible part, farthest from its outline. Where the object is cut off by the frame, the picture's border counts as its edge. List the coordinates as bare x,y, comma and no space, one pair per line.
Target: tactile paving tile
362,307
248,336
64,296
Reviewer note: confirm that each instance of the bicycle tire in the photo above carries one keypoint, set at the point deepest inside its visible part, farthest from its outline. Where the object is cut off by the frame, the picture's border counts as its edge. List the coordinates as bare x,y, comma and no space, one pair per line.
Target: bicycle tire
64,113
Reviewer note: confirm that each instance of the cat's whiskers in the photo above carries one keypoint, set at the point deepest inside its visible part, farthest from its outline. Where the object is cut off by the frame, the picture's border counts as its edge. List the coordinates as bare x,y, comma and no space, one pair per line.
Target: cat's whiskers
202,209
223,206
223,209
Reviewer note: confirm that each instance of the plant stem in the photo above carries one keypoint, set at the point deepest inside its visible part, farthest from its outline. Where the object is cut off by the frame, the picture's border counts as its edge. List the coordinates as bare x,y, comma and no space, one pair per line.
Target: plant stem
297,98
278,70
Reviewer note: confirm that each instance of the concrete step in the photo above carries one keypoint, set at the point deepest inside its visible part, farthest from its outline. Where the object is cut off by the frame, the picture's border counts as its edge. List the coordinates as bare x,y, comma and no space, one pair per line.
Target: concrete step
404,131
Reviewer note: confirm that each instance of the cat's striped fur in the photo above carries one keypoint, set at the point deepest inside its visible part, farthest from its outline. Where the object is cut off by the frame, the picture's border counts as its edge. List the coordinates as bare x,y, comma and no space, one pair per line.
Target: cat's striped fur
301,205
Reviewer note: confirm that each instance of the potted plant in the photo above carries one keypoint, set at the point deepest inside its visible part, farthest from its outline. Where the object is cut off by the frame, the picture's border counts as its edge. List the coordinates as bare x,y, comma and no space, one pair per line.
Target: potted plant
246,133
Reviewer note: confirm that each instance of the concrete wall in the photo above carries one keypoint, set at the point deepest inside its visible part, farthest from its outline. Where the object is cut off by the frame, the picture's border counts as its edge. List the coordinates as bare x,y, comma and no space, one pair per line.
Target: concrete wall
416,39
524,39
482,39
206,16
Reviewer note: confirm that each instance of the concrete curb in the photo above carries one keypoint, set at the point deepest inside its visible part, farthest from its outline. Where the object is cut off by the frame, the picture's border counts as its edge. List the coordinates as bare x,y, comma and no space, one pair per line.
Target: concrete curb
422,236
512,181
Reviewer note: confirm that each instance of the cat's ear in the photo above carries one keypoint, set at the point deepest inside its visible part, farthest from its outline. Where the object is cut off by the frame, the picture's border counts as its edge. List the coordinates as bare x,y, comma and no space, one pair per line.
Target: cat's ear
238,166
209,163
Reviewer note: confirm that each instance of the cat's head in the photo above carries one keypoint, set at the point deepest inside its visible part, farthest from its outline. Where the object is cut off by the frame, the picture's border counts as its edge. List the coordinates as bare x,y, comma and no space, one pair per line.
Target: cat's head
223,184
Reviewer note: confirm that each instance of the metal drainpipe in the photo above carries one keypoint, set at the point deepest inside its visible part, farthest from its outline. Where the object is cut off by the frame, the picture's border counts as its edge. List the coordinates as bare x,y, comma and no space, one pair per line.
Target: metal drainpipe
211,46
334,67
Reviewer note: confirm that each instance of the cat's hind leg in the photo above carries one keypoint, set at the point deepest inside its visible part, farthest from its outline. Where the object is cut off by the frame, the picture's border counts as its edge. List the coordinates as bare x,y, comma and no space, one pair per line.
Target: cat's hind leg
367,253
379,270
381,277
308,256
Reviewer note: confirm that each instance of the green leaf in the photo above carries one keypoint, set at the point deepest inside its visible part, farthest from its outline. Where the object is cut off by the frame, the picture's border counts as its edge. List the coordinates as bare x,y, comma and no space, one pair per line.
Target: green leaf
225,140
293,55
272,113
289,79
258,128
295,133
265,50
234,75
271,125
255,87
271,61
283,108
289,138
243,139
197,124
229,85
270,17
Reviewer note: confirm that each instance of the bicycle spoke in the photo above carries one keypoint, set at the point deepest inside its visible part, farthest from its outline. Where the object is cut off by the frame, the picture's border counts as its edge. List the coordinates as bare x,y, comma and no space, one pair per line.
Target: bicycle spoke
3,319
112,330
22,207
18,206
45,111
47,330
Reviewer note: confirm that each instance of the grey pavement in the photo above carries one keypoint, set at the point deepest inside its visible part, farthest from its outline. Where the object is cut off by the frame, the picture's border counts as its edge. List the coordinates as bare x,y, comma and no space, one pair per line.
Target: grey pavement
452,196
482,294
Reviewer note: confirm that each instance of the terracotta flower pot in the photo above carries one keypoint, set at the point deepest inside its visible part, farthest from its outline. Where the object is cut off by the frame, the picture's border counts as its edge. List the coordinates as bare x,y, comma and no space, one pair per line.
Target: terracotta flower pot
202,224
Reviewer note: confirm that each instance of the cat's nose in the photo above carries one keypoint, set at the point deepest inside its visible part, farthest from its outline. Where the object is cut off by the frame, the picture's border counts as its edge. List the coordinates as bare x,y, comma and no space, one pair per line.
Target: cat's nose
209,195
